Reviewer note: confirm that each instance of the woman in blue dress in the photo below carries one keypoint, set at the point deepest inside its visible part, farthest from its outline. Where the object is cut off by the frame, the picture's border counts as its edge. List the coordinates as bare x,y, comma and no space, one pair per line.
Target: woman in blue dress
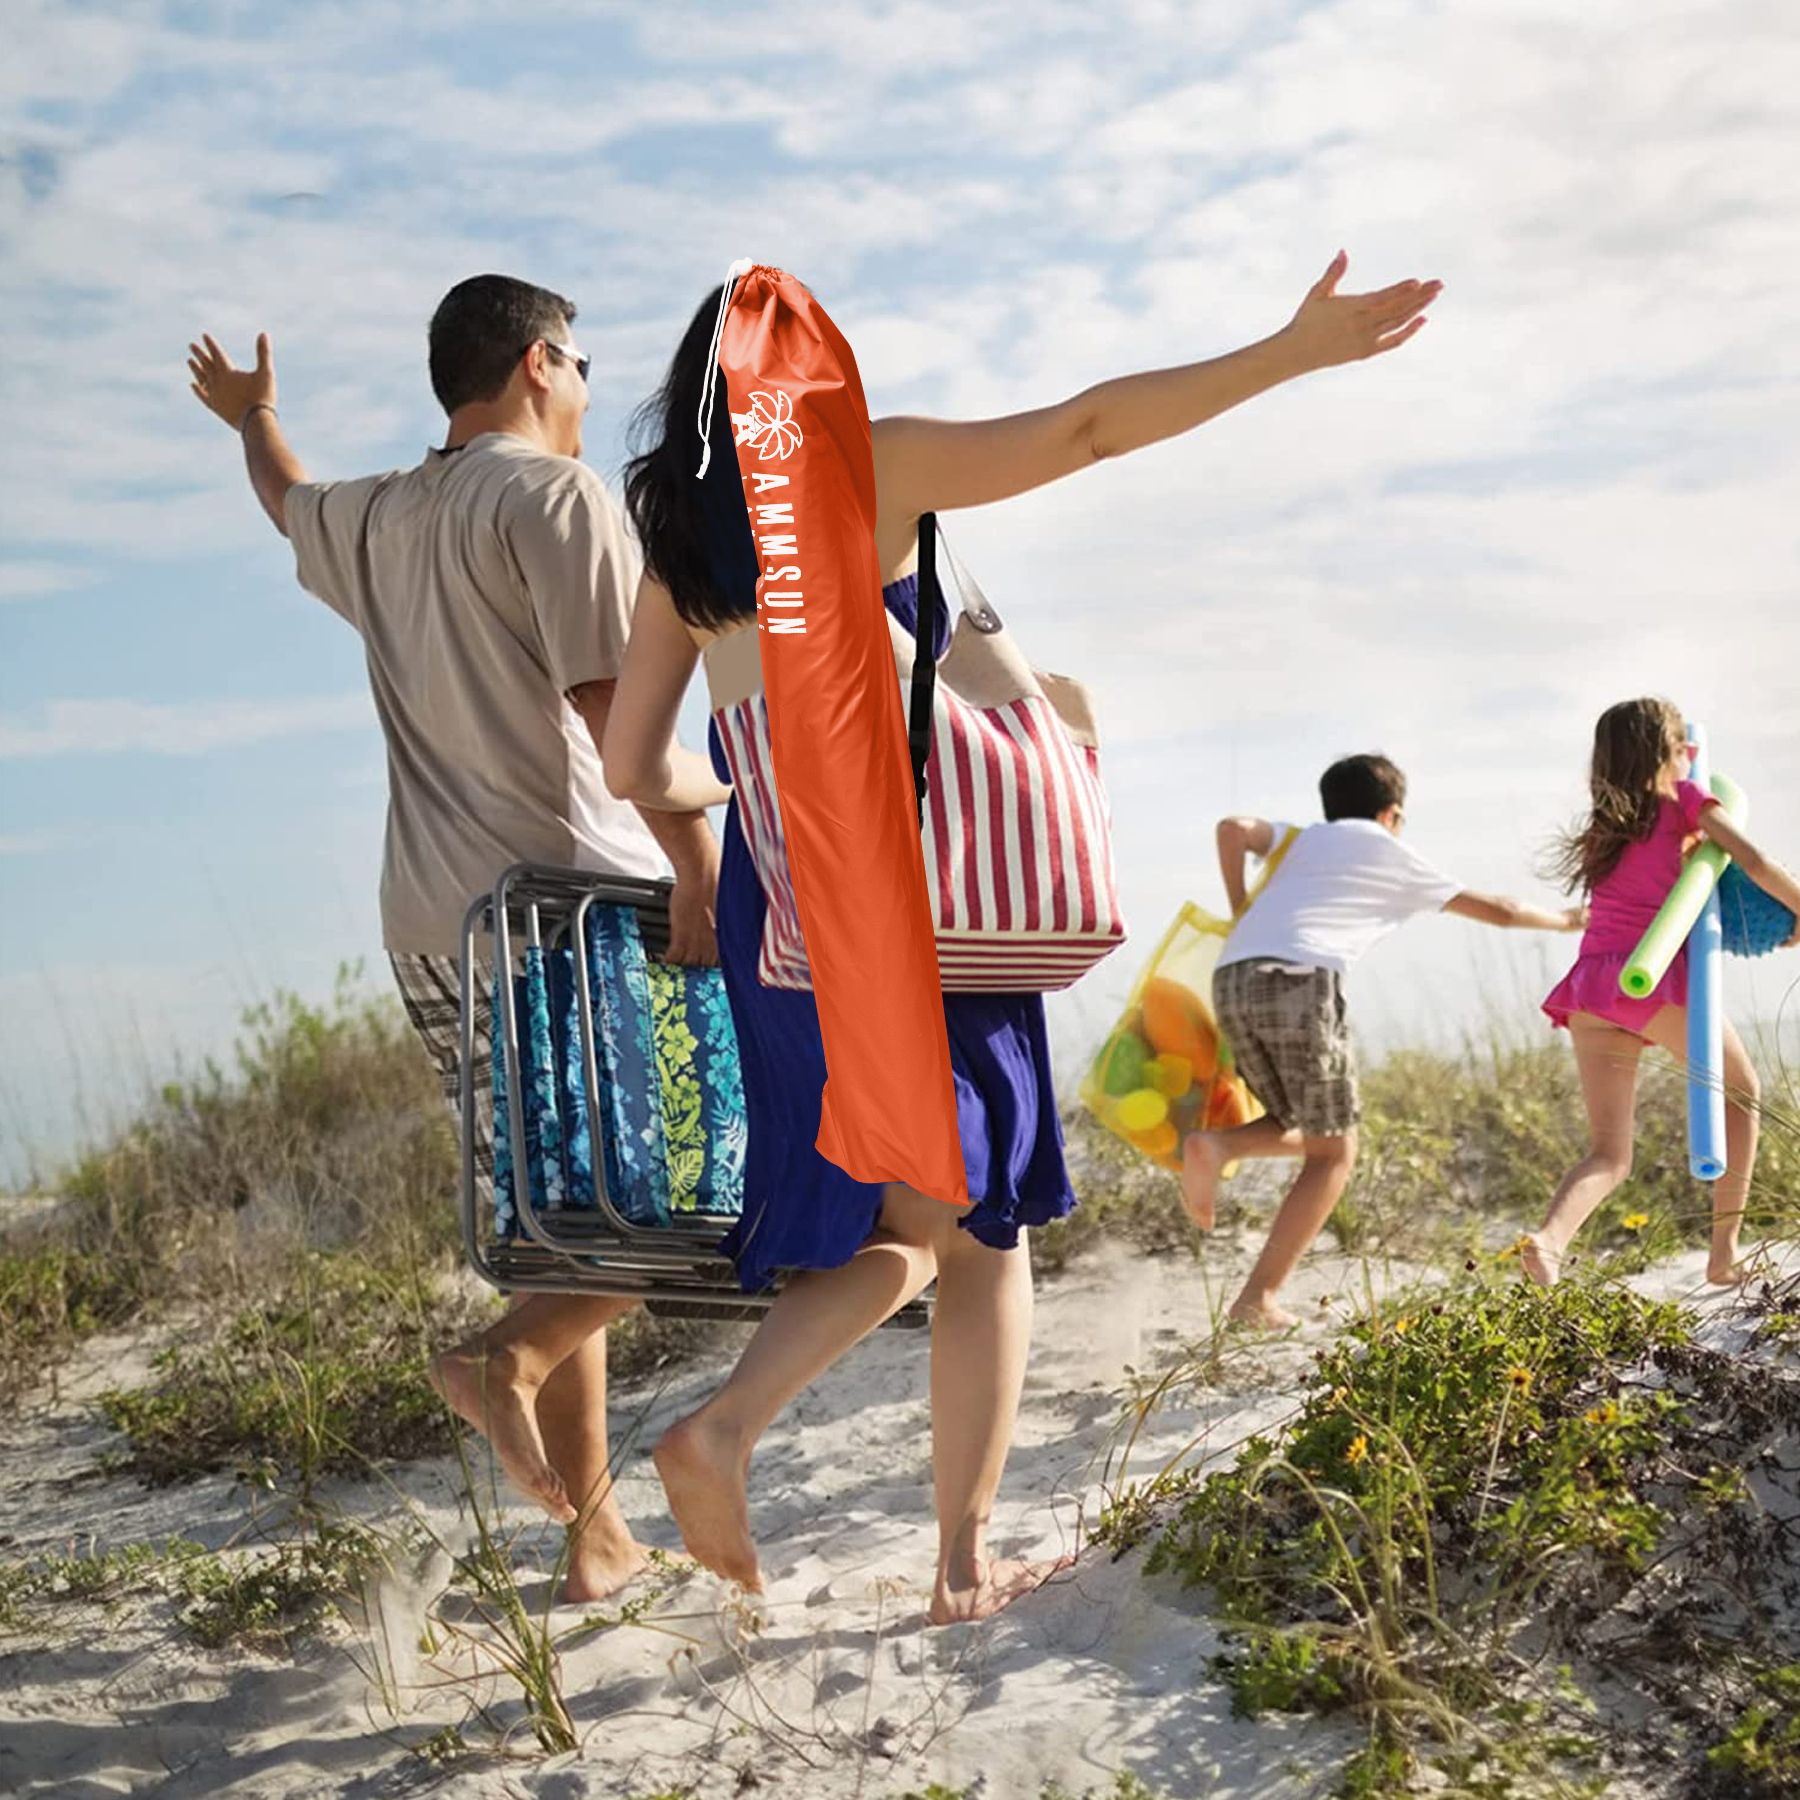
853,1253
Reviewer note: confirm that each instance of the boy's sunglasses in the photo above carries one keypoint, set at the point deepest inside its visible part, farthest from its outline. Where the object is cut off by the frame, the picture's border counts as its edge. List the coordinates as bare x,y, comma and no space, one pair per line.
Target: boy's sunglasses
582,363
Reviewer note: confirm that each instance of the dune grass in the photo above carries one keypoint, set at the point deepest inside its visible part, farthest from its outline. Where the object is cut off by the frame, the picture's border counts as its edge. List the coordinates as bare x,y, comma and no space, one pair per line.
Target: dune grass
1472,1488
290,1207
261,1599
288,1224
1497,1512
1498,1507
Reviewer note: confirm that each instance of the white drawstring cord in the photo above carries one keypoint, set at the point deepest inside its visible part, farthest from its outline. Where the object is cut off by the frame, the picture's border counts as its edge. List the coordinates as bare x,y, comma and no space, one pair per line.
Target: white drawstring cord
742,266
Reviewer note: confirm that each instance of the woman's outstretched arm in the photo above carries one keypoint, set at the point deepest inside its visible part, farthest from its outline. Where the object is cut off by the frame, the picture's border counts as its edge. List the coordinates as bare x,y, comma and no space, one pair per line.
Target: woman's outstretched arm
928,465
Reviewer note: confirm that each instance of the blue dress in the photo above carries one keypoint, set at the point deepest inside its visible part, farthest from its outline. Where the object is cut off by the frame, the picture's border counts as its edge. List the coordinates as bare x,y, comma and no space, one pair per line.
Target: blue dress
802,1212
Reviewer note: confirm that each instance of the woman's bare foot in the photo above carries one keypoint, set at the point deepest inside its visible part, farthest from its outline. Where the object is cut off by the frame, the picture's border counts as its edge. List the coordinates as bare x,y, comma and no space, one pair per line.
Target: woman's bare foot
1540,1259
1723,1269
1262,1312
1202,1160
598,1569
992,1585
704,1473
483,1389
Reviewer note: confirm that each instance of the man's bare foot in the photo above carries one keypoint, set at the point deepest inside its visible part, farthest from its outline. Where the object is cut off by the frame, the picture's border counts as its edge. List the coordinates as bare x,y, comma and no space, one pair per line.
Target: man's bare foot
997,1584
1725,1270
1541,1261
1202,1160
703,1473
482,1389
1263,1313
597,1571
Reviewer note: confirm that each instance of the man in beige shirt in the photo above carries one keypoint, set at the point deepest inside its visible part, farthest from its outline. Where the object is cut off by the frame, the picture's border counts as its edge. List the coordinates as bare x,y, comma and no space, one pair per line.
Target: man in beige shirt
492,587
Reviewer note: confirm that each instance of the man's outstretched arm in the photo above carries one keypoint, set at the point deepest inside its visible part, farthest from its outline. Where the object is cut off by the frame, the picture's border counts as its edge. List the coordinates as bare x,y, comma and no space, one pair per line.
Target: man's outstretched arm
245,400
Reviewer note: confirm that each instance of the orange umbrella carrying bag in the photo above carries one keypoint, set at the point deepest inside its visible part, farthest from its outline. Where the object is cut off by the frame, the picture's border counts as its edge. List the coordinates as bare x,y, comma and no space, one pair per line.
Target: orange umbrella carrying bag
848,807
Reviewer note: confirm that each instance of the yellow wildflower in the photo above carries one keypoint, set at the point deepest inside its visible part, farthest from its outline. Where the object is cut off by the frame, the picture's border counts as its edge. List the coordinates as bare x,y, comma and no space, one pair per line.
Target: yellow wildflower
1359,1448
1517,1246
1520,1378
1402,1327
1603,1414
1635,1221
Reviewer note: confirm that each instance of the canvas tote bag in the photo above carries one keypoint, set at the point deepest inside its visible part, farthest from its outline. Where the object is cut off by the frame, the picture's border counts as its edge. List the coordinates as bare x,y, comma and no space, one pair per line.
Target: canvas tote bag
1017,833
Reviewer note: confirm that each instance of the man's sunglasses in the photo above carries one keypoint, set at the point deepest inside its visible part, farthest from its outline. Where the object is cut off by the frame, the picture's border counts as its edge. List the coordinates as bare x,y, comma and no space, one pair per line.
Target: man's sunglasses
582,363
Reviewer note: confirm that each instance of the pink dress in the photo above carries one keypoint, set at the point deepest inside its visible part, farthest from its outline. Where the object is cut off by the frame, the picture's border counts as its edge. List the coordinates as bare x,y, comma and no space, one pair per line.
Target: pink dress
1619,913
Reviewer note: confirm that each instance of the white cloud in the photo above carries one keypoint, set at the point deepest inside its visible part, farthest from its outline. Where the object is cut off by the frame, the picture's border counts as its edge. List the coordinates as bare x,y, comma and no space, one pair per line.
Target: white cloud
25,579
108,727
39,843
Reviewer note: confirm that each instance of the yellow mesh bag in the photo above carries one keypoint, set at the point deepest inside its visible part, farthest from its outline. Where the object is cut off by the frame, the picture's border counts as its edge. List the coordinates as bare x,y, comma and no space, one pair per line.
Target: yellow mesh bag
1165,1068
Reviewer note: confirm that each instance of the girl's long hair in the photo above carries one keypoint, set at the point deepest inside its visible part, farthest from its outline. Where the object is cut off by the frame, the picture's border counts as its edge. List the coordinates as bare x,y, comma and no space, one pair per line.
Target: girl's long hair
695,534
1633,741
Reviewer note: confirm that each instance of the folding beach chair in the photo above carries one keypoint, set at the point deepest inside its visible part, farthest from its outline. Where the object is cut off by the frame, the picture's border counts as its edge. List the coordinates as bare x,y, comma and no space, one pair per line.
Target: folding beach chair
616,1102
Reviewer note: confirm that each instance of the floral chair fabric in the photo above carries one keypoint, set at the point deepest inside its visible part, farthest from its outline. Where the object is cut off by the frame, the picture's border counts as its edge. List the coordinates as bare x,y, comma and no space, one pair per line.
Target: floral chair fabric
667,1082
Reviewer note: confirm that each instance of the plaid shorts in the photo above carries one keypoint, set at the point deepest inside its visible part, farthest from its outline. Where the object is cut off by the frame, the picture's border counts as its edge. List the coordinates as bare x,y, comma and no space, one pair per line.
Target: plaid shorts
431,992
1290,1035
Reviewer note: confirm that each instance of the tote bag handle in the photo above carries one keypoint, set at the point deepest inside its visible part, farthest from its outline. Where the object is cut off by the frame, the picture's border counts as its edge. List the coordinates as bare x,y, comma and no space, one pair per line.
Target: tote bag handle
924,679
924,675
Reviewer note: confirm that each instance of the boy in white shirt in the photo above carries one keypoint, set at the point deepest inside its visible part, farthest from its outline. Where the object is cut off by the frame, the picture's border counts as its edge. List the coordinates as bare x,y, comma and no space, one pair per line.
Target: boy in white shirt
1278,994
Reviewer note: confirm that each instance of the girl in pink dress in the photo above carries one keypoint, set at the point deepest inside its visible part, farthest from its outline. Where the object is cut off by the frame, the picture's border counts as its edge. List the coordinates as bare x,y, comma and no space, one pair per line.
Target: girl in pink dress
1646,816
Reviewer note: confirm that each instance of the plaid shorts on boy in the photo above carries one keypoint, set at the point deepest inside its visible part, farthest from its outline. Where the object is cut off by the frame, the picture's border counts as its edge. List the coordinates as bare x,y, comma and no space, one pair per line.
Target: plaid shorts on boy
1290,1037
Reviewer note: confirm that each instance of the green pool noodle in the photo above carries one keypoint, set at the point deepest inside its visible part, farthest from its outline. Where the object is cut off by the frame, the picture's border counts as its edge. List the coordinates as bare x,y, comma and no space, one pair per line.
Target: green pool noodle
1649,962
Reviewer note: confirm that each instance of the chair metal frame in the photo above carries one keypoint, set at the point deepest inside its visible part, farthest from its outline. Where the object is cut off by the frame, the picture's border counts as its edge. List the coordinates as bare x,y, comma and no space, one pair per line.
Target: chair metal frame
677,1270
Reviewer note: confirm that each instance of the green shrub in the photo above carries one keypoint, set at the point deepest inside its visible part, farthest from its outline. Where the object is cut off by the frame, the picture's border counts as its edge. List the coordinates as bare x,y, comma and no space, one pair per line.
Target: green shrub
263,1600
1758,1757
258,1599
29,1588
325,1377
1502,1461
1480,1423
1484,1137
51,1294
328,1132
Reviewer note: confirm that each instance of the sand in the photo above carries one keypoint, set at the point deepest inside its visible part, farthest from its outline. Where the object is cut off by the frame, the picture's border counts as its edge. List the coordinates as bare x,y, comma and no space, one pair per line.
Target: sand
829,1686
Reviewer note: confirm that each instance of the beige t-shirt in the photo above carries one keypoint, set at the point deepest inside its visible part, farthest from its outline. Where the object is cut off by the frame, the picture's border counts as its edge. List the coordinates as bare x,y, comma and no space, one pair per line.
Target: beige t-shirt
486,583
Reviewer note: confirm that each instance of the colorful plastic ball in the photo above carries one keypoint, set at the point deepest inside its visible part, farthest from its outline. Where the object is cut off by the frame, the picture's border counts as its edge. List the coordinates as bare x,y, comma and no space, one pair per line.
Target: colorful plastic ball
1123,1064
1171,1075
1176,1022
1143,1110
1754,921
1227,1105
1159,1142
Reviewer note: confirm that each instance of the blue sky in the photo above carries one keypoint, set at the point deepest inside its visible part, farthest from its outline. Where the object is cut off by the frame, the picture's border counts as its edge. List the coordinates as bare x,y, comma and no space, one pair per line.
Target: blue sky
1577,484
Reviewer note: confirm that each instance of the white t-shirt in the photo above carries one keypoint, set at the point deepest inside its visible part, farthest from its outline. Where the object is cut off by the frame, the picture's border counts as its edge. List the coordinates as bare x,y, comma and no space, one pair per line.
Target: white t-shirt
486,583
1340,889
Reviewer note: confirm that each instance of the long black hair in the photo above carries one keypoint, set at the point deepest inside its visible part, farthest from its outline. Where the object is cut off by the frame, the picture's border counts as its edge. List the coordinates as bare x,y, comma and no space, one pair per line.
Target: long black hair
695,534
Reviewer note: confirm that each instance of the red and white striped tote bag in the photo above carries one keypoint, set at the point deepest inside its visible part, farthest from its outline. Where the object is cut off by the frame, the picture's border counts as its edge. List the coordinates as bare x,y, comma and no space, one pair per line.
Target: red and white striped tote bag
1017,834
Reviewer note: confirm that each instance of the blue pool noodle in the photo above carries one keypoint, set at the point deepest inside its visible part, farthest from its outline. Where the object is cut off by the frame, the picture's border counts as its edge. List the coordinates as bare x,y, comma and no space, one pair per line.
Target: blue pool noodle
1706,1017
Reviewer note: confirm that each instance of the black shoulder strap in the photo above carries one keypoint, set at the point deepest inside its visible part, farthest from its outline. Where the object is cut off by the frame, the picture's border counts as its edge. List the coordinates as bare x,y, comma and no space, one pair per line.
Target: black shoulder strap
924,676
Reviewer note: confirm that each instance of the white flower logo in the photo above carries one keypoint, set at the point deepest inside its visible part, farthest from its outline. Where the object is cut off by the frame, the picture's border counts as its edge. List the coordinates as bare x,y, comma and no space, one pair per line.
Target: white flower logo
769,426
